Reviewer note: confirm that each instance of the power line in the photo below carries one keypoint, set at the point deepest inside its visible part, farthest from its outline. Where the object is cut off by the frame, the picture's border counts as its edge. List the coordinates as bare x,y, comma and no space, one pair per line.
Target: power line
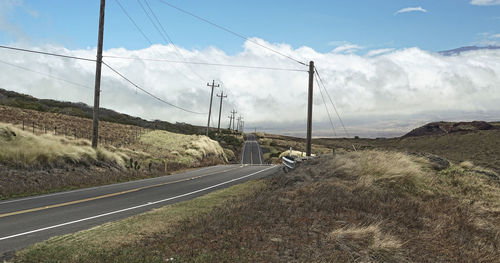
44,74
133,22
47,53
164,34
149,93
207,63
231,32
326,107
331,101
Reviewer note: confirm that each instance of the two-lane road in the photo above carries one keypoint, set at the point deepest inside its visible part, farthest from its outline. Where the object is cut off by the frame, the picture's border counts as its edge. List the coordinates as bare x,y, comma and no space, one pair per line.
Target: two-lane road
251,154
28,220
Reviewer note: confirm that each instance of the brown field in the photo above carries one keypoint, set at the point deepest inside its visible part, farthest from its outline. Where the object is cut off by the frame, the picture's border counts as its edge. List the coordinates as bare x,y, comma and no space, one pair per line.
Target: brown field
74,127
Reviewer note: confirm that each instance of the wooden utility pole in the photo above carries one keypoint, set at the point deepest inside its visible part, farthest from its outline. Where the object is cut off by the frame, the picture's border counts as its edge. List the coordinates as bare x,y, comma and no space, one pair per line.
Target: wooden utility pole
230,119
222,96
211,97
233,113
309,108
97,90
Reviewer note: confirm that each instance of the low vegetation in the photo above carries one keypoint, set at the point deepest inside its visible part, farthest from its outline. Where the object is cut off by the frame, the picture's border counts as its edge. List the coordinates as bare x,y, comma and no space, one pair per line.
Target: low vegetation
275,146
32,163
482,147
364,206
23,149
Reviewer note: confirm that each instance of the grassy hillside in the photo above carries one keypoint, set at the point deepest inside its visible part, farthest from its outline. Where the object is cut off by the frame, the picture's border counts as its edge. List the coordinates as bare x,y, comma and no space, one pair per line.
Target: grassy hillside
32,163
364,206
22,101
480,147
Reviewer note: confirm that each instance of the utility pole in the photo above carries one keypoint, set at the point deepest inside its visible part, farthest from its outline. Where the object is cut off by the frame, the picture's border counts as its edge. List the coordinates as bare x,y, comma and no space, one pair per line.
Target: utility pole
230,119
233,115
211,97
239,123
222,96
309,108
97,90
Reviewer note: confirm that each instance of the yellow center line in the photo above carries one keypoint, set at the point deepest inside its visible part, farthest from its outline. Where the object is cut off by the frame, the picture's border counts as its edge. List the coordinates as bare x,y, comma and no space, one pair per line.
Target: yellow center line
109,195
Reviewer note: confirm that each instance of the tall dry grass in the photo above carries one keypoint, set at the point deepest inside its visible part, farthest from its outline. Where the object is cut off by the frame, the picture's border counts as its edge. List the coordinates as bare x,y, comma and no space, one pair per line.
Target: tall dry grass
23,149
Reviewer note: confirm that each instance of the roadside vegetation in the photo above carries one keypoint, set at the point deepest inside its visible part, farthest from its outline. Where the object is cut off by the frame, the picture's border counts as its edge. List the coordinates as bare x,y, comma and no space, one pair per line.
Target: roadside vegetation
36,163
364,206
276,146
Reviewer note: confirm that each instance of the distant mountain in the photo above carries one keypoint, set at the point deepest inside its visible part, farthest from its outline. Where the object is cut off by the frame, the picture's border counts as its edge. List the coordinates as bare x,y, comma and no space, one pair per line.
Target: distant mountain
457,51
441,128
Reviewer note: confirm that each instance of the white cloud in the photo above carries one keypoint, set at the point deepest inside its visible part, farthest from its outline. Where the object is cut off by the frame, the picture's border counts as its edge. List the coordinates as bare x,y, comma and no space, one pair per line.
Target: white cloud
347,48
410,9
485,2
376,95
495,36
377,52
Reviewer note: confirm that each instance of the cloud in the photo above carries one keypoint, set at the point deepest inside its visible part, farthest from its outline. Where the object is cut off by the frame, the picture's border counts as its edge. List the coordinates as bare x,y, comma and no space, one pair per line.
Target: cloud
410,9
485,2
377,52
495,36
347,48
376,95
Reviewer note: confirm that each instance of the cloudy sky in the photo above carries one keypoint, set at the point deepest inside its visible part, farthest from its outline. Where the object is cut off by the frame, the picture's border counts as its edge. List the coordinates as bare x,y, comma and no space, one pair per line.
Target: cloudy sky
377,59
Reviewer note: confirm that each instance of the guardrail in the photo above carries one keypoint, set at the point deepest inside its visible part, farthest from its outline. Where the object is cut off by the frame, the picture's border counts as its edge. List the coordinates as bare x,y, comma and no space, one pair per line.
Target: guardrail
288,163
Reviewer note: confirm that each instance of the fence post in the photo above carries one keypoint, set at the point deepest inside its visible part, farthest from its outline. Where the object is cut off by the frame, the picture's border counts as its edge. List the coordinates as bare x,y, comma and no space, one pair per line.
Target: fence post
23,124
33,127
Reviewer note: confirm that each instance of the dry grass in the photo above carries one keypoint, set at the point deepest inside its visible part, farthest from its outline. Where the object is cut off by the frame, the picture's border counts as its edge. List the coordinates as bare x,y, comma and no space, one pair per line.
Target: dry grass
368,206
110,133
187,150
21,149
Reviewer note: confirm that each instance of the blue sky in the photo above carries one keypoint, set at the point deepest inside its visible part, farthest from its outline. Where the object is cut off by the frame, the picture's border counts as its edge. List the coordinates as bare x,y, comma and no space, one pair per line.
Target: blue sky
321,24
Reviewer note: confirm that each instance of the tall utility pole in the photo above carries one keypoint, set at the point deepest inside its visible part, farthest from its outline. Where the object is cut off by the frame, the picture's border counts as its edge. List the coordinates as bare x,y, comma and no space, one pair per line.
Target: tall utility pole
230,119
97,90
233,114
222,96
309,108
211,97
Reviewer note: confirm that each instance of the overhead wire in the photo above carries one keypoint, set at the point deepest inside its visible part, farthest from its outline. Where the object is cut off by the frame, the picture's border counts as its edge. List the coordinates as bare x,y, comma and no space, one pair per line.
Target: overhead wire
231,31
47,53
209,64
149,93
166,36
44,74
326,107
331,101
133,22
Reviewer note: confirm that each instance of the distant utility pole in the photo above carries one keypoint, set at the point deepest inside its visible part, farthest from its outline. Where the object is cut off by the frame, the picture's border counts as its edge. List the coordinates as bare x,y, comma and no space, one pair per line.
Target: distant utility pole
211,97
309,108
230,119
239,123
221,96
97,90
233,114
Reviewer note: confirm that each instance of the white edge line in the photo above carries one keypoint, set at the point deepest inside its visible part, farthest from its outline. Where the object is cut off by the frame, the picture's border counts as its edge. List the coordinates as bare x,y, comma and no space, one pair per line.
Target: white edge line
243,153
102,186
131,208
260,156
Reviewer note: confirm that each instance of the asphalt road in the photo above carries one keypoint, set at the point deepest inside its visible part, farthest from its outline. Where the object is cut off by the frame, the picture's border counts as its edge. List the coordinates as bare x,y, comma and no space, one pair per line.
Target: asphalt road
251,153
25,221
